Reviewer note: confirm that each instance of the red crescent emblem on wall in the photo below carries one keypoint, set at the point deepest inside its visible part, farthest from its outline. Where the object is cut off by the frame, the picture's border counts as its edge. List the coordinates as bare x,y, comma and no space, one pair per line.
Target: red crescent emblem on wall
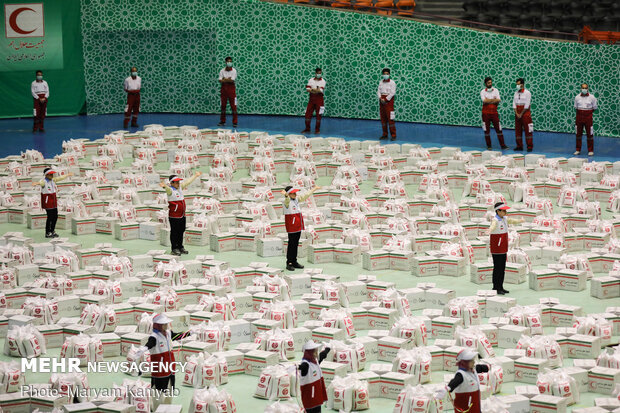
13,20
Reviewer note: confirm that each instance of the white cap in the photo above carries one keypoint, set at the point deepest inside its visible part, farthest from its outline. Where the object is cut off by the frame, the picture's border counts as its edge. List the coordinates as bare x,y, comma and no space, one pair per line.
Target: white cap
310,345
161,319
465,355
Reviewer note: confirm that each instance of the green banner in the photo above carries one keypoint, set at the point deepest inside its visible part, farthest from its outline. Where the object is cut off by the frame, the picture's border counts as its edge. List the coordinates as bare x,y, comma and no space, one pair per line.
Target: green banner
33,37
43,35
439,70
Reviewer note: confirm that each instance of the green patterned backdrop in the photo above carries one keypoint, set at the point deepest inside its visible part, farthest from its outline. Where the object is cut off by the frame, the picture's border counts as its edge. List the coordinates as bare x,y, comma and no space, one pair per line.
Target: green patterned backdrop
179,46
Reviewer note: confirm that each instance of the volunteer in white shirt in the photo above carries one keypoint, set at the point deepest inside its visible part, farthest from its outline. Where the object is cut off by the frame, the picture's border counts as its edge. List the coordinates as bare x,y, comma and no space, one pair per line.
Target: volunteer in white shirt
386,93
294,223
159,346
465,384
228,92
49,199
132,86
315,87
523,118
490,100
176,210
40,93
311,381
585,104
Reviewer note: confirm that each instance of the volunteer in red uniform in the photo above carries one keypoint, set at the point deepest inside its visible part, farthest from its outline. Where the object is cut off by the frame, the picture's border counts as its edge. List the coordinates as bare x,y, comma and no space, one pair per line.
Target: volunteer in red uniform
386,93
311,382
228,92
40,93
585,104
294,222
465,383
523,117
49,200
316,88
159,346
498,243
490,100
132,86
176,210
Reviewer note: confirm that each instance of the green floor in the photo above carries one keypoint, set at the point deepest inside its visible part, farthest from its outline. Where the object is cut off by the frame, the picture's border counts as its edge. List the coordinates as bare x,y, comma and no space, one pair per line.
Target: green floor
242,387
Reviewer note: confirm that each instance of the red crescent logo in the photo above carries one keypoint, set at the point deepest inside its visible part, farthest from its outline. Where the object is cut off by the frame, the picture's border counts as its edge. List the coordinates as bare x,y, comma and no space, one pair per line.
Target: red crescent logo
13,20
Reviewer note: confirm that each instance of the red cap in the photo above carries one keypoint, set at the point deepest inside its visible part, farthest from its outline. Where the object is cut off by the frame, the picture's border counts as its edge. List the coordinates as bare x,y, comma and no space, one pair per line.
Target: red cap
503,207
292,190
176,179
51,171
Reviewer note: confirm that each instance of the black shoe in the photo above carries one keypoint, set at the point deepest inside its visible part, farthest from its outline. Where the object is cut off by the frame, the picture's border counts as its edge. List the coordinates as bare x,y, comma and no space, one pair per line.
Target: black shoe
518,149
290,267
305,131
176,252
221,124
530,150
383,138
489,148
48,235
54,235
504,147
41,130
500,292
134,125
35,129
234,125
297,265
316,132
393,138
505,291
184,251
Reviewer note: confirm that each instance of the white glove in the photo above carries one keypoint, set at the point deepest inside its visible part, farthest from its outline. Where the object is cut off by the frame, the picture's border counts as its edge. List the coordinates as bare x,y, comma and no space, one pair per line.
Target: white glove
440,394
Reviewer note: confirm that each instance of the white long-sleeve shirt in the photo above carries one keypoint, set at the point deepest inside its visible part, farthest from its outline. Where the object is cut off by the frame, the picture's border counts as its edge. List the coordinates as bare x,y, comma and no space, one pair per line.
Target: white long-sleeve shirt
586,102
316,83
228,74
522,98
132,84
38,88
387,89
489,94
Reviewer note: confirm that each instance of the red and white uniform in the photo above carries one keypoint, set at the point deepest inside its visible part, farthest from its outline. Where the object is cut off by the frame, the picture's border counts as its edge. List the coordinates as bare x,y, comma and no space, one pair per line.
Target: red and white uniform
132,86
312,386
176,203
521,102
468,392
39,90
48,194
585,105
162,353
387,91
499,236
293,219
490,115
228,93
316,102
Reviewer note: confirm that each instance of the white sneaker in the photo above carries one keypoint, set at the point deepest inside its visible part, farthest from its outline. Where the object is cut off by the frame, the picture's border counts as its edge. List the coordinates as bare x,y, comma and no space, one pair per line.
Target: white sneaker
576,153
590,153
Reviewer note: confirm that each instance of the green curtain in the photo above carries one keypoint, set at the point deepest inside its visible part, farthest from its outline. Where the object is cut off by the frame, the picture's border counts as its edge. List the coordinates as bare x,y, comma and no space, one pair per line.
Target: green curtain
55,48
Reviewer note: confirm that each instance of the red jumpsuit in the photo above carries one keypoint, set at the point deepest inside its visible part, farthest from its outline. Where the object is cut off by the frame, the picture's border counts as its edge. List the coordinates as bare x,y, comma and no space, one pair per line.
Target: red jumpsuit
490,115
316,103
387,91
521,103
585,106
39,90
228,93
132,86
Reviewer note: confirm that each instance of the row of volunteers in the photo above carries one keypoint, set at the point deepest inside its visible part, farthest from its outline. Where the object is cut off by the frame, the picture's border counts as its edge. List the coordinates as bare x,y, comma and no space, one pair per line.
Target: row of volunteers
585,104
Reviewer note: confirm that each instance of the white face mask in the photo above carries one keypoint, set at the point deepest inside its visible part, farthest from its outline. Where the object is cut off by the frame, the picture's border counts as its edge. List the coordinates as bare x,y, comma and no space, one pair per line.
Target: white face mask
519,87
584,91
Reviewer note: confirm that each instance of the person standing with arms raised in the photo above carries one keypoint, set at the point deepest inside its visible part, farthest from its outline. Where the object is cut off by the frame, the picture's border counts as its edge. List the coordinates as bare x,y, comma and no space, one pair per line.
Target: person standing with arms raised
294,222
